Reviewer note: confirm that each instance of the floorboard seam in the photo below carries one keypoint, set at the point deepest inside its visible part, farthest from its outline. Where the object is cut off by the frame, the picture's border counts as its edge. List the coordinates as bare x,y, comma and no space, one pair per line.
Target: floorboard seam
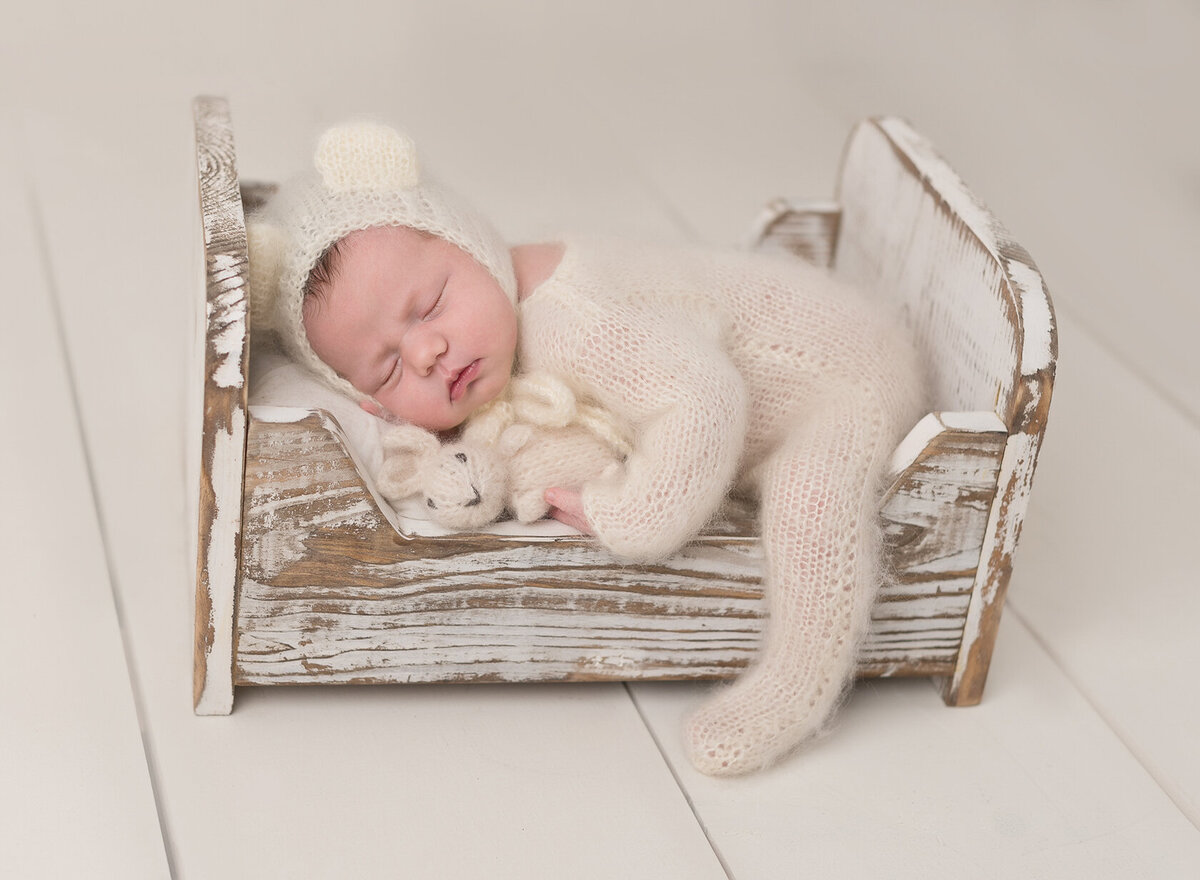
676,218
679,782
43,245
1109,720
1173,402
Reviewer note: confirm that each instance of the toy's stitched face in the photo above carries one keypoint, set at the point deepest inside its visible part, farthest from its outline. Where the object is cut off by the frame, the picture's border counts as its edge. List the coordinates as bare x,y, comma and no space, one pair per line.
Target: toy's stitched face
417,324
455,488
464,488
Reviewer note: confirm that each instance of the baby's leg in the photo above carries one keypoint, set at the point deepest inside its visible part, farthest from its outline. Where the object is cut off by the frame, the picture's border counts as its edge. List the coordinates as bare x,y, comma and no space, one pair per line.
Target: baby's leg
820,493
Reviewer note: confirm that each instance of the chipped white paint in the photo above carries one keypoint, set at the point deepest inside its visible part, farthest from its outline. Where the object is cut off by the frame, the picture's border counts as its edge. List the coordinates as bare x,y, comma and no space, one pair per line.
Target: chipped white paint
931,425
1004,528
482,608
291,414
944,180
228,314
616,662
899,236
280,414
1037,352
1036,315
914,443
224,409
807,229
993,337
222,566
912,230
978,422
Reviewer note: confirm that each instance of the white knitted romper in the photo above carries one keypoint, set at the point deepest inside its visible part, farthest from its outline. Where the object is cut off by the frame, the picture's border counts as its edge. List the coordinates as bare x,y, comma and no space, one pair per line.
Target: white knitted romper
724,368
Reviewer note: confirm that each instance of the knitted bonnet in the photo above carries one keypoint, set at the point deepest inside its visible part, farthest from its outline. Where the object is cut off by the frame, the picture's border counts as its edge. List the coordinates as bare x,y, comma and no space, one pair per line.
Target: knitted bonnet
365,175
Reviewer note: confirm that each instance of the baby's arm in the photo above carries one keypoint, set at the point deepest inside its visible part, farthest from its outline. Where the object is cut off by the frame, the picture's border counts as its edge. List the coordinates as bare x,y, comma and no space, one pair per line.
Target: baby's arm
686,404
566,506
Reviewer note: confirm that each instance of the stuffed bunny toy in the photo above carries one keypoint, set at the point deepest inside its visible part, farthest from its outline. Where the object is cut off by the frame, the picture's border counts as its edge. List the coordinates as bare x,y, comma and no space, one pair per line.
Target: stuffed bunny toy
462,484
537,437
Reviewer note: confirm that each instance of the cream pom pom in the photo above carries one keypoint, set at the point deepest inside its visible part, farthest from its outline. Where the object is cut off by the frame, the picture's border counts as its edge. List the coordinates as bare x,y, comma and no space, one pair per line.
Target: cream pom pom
365,156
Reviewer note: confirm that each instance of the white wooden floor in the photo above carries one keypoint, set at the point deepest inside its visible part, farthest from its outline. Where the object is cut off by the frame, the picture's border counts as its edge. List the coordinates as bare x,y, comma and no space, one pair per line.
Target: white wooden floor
1076,121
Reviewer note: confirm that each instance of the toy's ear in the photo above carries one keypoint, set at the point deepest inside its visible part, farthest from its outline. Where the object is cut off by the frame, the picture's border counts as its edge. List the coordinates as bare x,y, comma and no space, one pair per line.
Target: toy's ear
543,399
484,428
407,439
265,245
405,449
513,439
397,479
365,156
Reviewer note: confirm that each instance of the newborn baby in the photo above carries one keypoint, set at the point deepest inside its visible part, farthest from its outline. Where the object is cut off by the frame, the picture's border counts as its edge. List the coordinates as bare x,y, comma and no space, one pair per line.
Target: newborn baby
726,369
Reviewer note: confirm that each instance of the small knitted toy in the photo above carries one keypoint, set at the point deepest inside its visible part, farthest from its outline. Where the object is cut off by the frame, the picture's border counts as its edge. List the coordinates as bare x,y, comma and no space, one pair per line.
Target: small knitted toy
462,484
547,439
509,454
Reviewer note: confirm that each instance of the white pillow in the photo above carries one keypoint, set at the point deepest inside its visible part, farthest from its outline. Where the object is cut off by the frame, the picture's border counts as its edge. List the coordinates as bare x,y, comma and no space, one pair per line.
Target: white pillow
276,380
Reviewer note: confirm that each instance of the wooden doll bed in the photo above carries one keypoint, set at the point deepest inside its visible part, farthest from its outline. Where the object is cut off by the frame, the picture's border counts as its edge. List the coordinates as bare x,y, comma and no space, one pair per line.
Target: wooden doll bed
303,579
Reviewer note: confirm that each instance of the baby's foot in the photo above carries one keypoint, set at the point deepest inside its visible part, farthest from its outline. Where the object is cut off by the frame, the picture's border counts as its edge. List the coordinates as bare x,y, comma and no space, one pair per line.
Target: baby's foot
751,725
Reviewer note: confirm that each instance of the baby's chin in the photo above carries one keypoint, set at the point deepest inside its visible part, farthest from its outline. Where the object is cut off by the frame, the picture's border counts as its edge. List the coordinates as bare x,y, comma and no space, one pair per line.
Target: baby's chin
435,426
445,423
450,420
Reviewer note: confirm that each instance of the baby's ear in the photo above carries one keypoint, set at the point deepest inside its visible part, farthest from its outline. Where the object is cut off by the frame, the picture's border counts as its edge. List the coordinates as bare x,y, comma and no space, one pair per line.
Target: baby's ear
365,156
266,244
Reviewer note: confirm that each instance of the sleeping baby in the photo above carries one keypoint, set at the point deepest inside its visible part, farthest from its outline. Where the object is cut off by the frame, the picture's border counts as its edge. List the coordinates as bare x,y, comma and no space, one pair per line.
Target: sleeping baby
726,370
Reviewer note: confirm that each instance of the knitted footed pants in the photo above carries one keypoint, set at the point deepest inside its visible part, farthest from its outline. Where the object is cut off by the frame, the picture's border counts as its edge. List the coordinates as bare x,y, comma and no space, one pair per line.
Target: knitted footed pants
819,517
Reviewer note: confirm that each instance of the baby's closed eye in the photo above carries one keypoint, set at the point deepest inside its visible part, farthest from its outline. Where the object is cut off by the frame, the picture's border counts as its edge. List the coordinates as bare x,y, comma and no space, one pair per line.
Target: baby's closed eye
436,307
393,375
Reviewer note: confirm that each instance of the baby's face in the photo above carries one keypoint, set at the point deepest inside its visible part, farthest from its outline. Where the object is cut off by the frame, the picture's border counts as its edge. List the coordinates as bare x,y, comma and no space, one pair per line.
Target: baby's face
415,323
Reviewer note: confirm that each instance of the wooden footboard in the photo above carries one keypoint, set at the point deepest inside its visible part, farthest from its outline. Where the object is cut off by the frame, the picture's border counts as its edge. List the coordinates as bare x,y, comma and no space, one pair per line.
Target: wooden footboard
332,593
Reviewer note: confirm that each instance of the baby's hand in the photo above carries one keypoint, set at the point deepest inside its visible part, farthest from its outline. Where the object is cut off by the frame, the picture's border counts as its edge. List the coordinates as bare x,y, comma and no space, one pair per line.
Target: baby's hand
566,506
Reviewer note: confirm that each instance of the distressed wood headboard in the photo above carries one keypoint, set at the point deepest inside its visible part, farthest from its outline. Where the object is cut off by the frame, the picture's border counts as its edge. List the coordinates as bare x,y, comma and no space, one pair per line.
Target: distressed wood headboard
224,374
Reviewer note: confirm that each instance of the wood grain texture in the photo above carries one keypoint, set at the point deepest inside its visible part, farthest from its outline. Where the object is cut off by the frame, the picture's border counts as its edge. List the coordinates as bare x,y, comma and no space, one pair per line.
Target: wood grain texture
224,371
912,230
331,593
805,229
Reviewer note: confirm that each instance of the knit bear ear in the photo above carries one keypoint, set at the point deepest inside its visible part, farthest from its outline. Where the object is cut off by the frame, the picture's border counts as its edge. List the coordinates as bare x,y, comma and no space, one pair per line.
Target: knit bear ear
266,244
366,156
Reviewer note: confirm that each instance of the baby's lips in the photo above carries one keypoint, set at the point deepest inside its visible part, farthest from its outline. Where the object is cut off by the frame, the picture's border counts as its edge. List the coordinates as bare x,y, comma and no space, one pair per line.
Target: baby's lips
464,377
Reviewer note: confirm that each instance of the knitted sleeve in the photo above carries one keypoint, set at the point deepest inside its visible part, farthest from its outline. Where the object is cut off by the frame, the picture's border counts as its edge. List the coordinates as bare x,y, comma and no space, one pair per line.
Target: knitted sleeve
686,404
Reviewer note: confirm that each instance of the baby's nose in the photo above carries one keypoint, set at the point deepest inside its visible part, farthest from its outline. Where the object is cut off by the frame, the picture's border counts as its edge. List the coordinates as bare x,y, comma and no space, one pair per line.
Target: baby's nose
425,346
